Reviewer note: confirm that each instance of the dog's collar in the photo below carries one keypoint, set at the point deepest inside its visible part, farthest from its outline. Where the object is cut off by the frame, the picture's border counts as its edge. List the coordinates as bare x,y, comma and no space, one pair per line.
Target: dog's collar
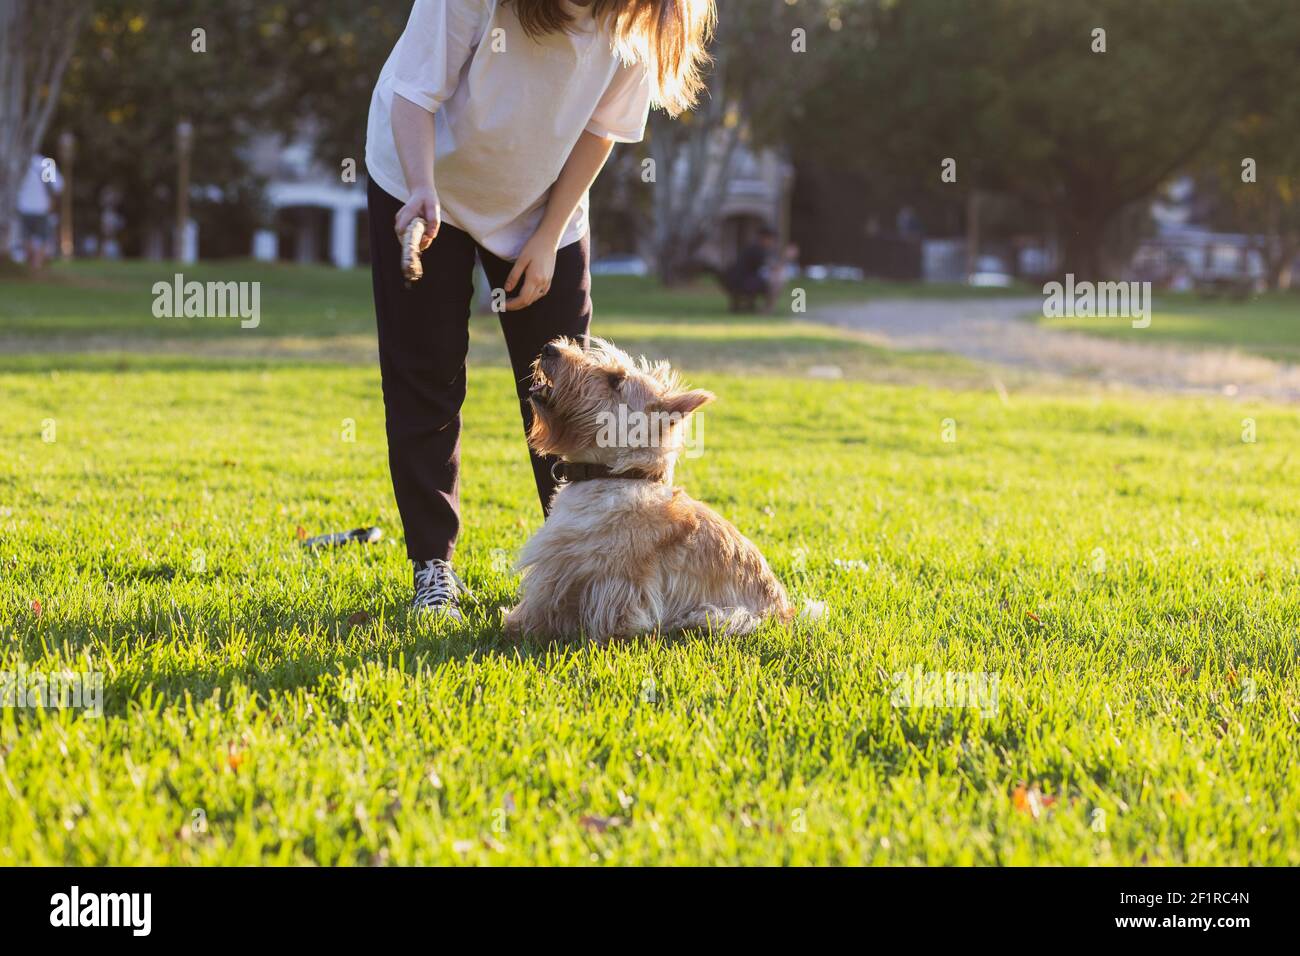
571,471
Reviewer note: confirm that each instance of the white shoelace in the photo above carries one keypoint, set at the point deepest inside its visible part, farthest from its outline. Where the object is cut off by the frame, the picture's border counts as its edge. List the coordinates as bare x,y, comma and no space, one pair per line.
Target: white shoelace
436,584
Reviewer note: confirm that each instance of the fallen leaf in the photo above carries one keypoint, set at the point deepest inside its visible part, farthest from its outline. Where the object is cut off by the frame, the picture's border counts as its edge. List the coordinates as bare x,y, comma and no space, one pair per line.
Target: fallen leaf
234,757
302,533
1020,798
357,619
36,608
1031,800
1034,617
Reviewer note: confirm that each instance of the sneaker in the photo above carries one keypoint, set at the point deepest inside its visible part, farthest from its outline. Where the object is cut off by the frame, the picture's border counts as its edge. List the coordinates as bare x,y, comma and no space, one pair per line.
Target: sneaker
437,589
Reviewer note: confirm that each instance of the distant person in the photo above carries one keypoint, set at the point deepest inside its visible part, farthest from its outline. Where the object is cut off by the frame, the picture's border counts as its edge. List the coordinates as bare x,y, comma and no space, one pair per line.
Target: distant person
779,272
496,152
40,186
747,280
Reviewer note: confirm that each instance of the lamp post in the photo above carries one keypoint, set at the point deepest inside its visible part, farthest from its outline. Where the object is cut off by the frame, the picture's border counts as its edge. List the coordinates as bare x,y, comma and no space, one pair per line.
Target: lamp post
67,152
184,147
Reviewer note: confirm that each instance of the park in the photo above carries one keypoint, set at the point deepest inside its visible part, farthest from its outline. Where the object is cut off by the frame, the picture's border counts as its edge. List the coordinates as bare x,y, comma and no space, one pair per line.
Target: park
1056,553
1125,568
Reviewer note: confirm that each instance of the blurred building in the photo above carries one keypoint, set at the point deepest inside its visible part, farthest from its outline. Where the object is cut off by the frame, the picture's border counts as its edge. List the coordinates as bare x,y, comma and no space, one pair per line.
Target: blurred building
317,217
316,214
1186,253
756,195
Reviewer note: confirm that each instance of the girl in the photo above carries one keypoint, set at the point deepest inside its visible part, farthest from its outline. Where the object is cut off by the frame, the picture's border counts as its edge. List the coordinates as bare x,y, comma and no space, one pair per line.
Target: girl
490,120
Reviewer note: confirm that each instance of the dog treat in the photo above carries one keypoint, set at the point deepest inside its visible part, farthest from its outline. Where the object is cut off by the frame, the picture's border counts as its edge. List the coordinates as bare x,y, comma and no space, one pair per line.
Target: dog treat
412,267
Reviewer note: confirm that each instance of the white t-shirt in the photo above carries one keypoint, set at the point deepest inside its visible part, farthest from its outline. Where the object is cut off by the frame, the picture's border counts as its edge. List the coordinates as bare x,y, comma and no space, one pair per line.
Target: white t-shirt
508,110
34,193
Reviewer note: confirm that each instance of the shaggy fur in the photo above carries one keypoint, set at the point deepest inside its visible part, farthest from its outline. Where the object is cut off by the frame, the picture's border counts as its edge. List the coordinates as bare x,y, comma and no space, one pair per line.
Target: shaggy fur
622,556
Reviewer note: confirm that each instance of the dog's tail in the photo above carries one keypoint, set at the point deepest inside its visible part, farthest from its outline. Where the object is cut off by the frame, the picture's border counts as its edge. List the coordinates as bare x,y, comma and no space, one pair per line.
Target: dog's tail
737,621
731,621
809,610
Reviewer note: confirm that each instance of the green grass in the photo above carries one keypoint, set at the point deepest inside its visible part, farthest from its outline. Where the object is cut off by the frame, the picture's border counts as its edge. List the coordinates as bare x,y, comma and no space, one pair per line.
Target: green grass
98,315
104,299
1267,325
1126,569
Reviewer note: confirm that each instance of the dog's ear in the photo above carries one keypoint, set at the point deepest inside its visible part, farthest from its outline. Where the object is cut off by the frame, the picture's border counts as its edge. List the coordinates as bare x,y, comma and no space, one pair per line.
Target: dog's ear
683,403
616,378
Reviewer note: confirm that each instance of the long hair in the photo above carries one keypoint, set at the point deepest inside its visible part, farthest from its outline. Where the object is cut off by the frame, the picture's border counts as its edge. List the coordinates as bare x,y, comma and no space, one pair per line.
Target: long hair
670,36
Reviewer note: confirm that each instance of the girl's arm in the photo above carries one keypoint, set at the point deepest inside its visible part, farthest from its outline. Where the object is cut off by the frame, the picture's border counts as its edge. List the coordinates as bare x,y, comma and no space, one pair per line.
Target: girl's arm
536,263
413,134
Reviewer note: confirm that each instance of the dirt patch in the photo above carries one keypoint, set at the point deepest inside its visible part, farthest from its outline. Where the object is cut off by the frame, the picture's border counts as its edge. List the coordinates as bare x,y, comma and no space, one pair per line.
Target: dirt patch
994,331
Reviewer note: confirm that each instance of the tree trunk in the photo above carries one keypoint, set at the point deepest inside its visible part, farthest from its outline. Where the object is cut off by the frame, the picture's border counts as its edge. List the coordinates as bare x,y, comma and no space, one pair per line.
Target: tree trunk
1278,245
693,158
1083,238
1278,253
36,42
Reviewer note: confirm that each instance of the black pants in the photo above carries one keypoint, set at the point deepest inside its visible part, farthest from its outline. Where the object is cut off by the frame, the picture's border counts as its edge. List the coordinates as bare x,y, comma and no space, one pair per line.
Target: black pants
423,341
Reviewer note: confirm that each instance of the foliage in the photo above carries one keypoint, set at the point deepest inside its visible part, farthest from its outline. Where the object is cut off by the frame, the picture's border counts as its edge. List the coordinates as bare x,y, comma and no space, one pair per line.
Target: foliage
1013,90
37,38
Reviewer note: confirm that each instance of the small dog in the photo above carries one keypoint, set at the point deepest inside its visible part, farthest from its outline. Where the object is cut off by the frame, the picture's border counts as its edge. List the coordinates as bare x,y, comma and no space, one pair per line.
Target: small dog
624,552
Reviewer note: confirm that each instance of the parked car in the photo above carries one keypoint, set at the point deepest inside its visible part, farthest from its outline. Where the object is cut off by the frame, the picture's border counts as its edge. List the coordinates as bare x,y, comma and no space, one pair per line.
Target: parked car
990,272
620,266
820,273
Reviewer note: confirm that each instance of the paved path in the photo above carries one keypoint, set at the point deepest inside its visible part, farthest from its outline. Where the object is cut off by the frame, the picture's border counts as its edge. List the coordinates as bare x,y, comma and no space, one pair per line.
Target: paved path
990,330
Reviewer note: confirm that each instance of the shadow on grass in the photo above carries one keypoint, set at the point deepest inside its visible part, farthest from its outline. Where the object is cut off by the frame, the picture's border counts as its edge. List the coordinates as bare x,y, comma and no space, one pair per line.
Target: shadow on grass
173,655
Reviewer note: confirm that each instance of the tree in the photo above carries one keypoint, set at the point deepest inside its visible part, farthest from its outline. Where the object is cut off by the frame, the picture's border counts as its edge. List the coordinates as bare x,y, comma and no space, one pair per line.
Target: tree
1254,174
36,42
289,68
1022,96
764,61
142,67
692,157
1257,192
330,57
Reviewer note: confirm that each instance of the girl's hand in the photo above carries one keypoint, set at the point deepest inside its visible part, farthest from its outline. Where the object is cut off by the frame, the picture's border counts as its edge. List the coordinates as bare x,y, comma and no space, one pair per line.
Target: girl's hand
423,204
533,271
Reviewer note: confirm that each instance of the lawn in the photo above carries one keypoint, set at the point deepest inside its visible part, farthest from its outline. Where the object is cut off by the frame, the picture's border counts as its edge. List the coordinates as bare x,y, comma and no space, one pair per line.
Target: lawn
1267,325
1123,572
